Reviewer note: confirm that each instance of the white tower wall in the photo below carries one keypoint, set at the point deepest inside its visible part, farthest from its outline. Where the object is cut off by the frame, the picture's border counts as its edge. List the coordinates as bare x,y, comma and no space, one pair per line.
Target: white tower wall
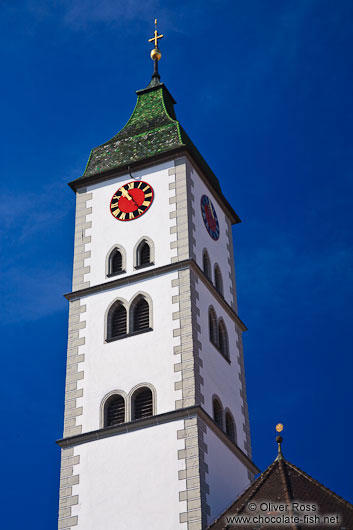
171,470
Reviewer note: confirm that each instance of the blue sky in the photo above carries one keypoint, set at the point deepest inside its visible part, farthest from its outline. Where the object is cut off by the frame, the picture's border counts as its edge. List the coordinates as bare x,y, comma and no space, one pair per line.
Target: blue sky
264,89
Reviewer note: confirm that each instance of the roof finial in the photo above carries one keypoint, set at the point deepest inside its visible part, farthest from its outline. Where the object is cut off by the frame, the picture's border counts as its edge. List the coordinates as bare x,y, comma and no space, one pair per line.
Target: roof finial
279,440
155,53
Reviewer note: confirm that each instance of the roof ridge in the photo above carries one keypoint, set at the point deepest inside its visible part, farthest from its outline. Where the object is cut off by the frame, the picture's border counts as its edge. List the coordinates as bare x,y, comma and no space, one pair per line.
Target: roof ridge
321,486
287,486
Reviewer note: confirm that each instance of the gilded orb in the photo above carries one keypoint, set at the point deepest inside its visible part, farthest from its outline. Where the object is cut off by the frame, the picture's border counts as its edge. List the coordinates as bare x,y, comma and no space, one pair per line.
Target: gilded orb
156,54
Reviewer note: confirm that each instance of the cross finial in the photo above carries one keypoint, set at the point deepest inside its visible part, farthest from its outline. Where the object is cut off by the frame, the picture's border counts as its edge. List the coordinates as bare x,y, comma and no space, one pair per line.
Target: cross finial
155,54
156,36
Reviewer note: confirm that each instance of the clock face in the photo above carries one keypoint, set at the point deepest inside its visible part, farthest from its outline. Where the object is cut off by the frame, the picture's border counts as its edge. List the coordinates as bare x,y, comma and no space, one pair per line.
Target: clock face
131,200
209,217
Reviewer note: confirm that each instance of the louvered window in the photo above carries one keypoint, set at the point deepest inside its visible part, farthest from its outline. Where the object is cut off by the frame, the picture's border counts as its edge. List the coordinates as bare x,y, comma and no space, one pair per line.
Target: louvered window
145,254
230,427
212,324
223,339
115,411
116,262
217,413
117,321
218,280
142,404
206,264
141,315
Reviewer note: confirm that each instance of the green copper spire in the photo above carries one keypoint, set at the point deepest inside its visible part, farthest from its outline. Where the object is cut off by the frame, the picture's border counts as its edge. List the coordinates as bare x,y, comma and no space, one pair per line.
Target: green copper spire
152,131
152,135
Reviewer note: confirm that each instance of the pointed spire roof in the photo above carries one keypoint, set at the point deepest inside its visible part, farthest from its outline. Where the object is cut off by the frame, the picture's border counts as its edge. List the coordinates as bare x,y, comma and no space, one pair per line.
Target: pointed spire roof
152,133
151,130
282,483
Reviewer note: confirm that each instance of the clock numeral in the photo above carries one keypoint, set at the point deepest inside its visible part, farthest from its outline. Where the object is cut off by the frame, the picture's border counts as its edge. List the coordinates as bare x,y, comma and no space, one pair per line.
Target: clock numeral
115,205
148,194
145,203
116,213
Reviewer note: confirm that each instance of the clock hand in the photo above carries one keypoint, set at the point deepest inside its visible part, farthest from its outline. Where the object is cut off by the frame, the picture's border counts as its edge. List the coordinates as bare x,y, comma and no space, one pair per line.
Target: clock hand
128,196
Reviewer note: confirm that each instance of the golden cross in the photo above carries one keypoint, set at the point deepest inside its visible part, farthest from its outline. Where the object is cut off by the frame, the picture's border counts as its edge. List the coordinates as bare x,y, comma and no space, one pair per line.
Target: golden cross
156,36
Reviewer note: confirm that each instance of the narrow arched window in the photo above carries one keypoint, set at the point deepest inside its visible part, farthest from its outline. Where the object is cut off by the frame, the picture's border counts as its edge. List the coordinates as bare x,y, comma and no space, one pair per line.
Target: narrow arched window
212,325
230,427
223,339
218,282
143,254
140,315
114,413
115,262
142,403
218,413
206,264
117,321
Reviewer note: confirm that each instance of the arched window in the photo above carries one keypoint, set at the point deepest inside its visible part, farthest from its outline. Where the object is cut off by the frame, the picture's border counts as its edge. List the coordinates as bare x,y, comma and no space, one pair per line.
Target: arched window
206,264
140,315
117,321
114,411
223,339
230,427
142,403
212,325
218,413
143,254
218,282
115,262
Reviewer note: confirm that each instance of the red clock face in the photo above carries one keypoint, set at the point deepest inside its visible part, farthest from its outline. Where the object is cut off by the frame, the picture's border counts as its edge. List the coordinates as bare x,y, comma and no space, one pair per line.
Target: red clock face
131,200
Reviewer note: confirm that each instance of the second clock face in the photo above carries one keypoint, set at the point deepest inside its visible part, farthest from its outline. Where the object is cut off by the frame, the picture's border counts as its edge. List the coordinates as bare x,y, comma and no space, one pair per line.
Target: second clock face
131,200
209,217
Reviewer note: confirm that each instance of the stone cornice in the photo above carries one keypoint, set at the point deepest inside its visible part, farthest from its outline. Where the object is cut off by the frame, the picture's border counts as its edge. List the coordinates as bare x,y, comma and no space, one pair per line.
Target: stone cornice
157,271
160,419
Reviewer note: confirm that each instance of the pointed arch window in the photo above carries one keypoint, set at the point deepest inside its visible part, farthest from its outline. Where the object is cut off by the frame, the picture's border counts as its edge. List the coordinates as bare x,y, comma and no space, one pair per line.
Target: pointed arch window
143,256
140,315
116,262
230,427
142,403
218,413
114,413
223,339
117,321
206,265
212,325
218,281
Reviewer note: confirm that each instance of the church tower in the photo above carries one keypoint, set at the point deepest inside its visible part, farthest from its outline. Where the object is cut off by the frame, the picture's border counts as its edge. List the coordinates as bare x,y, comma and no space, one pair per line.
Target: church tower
156,429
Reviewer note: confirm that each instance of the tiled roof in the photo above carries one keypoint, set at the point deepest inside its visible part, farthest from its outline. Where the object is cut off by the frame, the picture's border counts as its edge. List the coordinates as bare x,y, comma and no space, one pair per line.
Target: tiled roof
152,130
283,483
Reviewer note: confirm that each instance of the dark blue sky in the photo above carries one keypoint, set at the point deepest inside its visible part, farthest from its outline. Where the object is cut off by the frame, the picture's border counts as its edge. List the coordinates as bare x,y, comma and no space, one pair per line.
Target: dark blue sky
264,89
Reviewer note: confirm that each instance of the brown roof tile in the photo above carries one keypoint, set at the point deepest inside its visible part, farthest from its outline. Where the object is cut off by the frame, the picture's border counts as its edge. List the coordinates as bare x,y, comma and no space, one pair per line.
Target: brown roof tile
285,484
